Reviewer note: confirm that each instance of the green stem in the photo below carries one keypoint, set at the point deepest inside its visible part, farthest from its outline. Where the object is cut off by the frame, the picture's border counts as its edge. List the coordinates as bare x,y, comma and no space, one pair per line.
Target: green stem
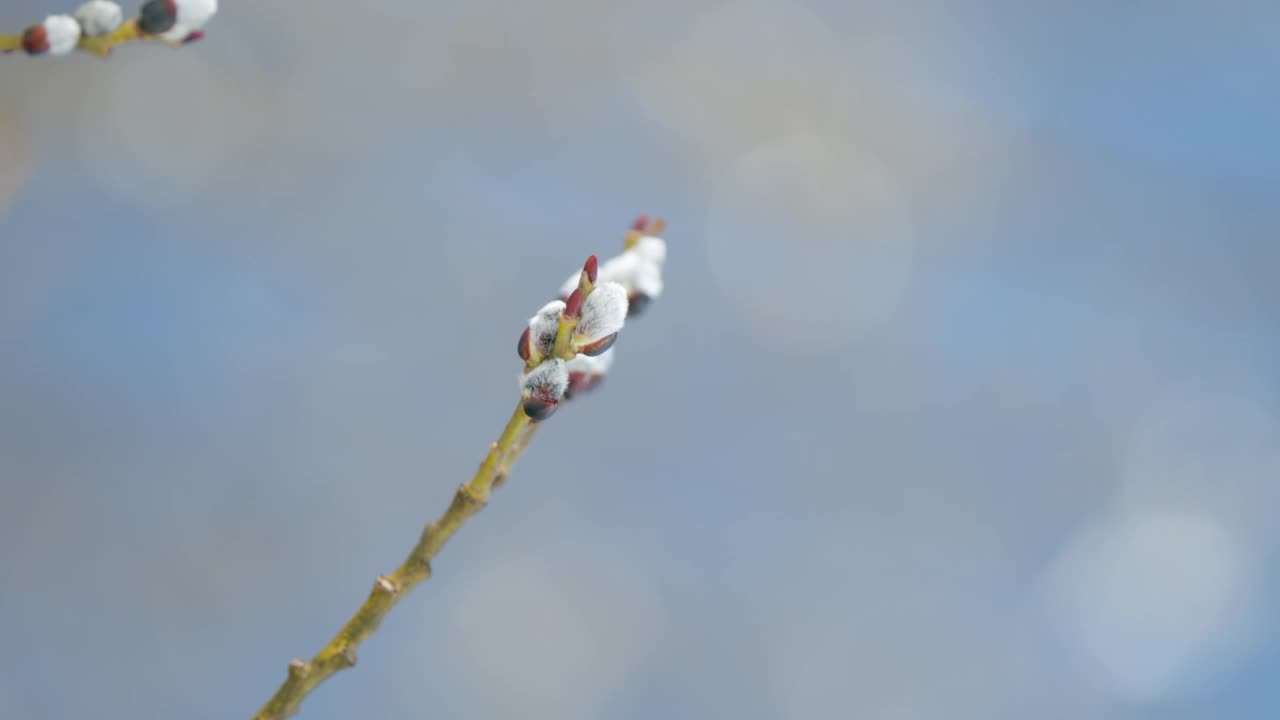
522,442
340,653
100,45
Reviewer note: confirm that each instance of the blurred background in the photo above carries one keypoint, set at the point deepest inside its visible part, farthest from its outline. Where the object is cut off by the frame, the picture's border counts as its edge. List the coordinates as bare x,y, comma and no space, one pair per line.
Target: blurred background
961,402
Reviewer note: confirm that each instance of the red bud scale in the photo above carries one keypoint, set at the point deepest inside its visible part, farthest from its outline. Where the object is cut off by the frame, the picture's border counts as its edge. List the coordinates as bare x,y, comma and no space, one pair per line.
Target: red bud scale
36,40
573,306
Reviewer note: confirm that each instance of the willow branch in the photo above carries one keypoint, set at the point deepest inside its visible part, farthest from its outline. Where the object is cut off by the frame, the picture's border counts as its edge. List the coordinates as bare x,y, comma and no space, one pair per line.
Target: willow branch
100,45
517,448
471,497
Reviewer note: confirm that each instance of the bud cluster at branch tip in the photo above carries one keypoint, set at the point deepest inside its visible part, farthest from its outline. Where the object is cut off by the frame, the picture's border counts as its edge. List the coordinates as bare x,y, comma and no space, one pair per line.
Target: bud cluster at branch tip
638,269
99,25
567,346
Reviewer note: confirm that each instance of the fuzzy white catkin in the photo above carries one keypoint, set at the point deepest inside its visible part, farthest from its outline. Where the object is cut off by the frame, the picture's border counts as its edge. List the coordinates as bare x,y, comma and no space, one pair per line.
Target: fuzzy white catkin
603,314
647,280
544,326
99,17
653,249
638,268
192,15
620,269
548,381
62,33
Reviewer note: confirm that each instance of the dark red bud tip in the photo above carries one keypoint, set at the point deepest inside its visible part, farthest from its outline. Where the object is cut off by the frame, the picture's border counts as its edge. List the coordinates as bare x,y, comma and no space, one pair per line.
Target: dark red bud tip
641,223
592,268
195,36
522,346
573,306
36,40
637,304
157,16
539,410
598,347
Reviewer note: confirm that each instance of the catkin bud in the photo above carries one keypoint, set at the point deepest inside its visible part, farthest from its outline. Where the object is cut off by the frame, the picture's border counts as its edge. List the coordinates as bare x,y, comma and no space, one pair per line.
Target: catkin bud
543,387
603,315
57,35
99,17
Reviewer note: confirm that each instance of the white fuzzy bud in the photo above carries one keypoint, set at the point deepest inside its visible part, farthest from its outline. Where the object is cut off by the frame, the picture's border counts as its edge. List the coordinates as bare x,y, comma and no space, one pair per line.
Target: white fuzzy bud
638,269
99,17
637,273
544,326
619,269
192,15
603,313
647,280
543,388
547,382
651,248
61,33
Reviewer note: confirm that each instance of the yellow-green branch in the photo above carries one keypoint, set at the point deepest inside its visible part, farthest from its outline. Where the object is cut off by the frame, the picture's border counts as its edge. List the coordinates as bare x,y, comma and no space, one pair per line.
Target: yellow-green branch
471,497
100,45
522,442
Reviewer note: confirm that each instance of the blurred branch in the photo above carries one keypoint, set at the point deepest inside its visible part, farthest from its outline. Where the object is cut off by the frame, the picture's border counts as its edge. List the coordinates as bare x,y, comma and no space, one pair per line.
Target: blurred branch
98,27
340,653
100,45
567,349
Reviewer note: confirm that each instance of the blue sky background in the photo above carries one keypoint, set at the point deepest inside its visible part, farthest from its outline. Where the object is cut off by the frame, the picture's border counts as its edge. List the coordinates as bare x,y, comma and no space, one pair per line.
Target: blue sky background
961,401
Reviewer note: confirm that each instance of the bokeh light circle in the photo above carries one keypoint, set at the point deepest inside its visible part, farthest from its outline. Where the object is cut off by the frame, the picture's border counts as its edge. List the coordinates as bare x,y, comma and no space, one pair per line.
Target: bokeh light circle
1151,603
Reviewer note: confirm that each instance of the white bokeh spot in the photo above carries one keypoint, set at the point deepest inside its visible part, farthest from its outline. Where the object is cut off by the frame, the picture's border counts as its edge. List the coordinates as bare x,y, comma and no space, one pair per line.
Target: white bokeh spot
1151,603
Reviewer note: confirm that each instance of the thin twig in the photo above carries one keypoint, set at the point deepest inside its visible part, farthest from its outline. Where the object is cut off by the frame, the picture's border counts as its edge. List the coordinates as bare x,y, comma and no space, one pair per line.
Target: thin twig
522,442
100,45
340,653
